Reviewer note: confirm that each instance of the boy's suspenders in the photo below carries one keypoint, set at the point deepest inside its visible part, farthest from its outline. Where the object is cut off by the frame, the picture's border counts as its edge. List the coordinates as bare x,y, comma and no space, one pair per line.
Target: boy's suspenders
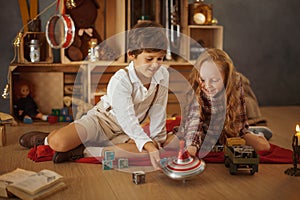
155,96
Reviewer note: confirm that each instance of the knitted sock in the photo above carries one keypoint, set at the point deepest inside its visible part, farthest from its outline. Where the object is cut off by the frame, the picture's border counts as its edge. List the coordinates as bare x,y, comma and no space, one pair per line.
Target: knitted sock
46,141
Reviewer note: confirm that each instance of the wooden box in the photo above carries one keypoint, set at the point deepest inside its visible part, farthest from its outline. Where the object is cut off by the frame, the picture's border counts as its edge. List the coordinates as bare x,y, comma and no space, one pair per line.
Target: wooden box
46,54
47,87
209,36
2,135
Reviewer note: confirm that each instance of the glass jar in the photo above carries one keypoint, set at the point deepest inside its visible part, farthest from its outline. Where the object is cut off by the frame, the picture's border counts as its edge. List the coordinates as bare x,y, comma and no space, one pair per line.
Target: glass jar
34,50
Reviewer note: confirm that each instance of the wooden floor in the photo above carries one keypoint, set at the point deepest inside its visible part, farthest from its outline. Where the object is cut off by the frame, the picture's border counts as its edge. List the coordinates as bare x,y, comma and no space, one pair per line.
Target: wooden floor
89,181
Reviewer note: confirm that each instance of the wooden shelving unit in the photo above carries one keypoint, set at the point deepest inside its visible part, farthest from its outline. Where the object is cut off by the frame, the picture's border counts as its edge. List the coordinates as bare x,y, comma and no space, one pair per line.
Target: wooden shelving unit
86,80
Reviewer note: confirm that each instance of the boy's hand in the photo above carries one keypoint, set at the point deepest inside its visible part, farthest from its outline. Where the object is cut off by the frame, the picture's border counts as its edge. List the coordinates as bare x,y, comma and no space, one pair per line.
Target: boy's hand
153,153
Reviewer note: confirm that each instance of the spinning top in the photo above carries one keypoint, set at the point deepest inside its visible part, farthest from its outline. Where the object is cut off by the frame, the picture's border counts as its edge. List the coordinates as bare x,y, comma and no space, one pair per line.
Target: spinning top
182,167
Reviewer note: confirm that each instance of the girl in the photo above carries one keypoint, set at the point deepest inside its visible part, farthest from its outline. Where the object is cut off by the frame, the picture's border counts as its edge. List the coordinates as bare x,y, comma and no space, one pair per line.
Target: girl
218,111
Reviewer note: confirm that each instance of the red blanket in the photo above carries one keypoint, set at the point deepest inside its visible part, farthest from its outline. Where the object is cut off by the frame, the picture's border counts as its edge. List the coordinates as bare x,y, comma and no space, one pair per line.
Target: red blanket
275,155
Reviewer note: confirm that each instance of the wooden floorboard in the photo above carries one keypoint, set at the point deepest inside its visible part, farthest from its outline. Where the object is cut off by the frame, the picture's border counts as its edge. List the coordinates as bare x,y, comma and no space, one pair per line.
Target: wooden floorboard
282,120
89,181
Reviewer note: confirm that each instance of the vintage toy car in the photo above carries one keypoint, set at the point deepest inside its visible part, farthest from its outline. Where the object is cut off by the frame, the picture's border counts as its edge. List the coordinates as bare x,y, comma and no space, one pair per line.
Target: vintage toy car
240,157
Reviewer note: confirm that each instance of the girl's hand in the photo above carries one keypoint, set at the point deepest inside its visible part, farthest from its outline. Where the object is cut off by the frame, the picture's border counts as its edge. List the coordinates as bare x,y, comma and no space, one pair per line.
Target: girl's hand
192,150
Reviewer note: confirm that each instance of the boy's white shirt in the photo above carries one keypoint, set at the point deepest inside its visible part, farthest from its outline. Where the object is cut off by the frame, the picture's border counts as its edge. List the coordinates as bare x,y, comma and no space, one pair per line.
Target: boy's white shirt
126,96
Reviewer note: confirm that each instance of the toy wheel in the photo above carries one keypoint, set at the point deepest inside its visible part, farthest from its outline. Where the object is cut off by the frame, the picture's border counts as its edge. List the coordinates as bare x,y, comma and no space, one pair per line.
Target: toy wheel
255,168
227,162
232,169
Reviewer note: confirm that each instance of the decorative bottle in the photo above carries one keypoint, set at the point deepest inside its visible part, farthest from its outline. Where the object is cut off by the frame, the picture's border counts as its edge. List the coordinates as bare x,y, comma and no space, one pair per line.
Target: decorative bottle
93,54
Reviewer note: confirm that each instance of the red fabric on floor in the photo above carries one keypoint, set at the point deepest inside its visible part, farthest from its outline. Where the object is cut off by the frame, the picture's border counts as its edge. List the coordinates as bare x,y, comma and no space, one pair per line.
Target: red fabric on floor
40,153
276,154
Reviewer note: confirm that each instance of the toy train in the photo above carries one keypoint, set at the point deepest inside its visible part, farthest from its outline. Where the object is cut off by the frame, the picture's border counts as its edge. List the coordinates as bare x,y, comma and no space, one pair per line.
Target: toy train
240,157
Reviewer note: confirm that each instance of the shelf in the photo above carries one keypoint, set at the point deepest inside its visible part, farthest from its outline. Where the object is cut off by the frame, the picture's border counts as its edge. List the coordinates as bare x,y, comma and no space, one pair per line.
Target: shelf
204,37
93,77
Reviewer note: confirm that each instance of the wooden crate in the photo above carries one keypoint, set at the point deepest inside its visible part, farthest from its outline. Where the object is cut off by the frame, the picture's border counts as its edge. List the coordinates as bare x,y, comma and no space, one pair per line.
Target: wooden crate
2,135
47,86
209,36
46,54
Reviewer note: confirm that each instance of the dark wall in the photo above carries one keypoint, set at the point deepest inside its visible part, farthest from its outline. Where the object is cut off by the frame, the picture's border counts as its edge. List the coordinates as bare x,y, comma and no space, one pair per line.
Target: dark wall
10,25
261,36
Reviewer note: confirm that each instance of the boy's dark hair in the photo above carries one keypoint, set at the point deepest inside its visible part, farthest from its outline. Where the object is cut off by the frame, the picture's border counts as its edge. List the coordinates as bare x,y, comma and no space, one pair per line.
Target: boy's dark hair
147,36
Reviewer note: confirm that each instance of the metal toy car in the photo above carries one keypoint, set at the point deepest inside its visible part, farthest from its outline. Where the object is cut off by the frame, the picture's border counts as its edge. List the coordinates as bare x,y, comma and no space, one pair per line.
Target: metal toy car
239,156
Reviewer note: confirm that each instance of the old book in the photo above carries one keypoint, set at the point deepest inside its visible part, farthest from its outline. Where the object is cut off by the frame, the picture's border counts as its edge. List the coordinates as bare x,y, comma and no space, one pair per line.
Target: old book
6,118
11,177
30,185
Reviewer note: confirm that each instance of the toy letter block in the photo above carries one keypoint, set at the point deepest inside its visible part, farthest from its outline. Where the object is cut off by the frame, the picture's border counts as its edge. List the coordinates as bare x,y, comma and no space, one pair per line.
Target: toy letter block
52,119
107,164
64,111
68,118
122,163
55,112
61,118
109,155
138,177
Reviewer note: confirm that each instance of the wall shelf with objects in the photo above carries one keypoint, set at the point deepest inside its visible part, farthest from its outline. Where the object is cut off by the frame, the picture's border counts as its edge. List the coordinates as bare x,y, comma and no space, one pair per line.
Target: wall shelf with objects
54,81
48,82
88,80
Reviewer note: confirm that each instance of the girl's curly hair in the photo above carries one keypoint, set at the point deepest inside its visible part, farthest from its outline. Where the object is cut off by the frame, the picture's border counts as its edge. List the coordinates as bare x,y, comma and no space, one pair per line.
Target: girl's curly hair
225,66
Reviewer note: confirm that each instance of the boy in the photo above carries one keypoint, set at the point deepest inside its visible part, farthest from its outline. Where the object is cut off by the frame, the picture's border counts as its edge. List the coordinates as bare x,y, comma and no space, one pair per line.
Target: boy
133,93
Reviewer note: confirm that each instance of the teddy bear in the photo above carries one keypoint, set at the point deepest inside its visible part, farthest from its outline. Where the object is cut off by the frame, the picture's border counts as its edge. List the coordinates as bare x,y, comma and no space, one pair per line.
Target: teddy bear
83,14
82,107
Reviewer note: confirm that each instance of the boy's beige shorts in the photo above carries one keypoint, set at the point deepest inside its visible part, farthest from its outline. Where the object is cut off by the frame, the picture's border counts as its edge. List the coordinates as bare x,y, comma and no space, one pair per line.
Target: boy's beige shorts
102,127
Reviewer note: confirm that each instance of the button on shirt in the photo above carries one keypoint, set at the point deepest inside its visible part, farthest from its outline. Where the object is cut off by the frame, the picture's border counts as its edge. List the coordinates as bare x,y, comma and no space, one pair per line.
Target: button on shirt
129,101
